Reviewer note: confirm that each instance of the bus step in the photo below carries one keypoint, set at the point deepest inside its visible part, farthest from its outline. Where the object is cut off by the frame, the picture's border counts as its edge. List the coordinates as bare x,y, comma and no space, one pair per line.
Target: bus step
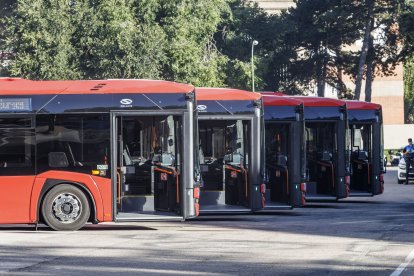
360,194
153,216
316,198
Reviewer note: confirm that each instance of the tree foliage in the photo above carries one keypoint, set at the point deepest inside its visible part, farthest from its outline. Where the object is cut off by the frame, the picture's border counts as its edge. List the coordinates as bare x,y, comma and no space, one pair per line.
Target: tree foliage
409,89
168,39
207,43
39,36
115,45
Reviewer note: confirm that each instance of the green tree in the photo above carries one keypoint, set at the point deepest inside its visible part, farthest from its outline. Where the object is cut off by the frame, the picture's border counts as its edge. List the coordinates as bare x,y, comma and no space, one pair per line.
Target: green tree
6,10
38,34
319,30
409,90
192,55
112,44
169,39
379,58
245,23
406,28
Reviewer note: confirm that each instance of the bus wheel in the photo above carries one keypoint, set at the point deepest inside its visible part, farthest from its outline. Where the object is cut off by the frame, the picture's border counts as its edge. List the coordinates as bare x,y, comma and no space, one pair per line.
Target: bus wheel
65,208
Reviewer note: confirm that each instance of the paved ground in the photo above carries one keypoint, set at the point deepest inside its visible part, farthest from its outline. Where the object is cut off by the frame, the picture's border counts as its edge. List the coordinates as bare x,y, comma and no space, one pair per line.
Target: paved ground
363,236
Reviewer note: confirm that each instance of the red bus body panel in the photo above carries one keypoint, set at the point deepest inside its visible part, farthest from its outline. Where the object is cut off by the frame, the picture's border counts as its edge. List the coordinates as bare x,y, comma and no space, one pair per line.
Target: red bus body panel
359,105
22,193
278,100
15,191
10,86
318,101
98,187
225,94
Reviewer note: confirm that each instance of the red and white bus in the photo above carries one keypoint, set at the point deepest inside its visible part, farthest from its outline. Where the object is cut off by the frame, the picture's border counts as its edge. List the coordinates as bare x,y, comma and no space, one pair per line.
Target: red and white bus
99,150
367,148
285,174
231,150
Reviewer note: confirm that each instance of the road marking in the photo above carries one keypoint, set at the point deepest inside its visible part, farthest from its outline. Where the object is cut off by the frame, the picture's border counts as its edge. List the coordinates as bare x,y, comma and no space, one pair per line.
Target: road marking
402,266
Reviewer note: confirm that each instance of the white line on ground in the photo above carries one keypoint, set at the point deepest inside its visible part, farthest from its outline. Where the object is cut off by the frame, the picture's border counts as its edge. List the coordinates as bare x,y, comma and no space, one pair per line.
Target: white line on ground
402,266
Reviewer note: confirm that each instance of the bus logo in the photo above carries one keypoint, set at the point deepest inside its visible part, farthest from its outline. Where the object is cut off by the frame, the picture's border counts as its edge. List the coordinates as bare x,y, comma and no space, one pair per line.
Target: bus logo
201,107
126,101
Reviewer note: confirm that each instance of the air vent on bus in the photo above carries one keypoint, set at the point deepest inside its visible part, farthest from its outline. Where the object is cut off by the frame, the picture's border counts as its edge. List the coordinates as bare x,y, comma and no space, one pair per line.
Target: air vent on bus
98,86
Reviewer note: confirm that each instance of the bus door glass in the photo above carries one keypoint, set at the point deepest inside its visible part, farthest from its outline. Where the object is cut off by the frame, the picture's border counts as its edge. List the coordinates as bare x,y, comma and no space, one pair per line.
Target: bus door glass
361,156
277,160
224,159
149,163
321,151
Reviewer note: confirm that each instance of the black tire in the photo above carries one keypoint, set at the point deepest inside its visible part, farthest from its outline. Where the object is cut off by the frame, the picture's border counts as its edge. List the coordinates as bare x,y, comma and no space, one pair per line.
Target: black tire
400,181
65,208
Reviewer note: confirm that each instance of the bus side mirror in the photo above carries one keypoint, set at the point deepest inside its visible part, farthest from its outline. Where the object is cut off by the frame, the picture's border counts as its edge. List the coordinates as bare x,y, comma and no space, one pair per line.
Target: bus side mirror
57,160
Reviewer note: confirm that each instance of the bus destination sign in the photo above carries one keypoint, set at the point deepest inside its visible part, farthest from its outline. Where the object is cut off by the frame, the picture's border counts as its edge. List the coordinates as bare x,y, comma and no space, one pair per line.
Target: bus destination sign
15,104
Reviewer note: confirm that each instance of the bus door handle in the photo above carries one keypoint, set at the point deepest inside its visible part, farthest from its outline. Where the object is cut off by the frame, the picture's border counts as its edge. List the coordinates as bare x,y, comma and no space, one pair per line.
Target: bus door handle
118,177
177,182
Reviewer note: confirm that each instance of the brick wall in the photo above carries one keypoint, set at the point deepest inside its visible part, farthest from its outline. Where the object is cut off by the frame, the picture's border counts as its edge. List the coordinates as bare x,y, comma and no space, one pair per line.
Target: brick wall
392,109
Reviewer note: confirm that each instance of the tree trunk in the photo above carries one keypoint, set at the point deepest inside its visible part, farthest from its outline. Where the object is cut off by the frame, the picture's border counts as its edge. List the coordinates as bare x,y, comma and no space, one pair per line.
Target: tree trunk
364,49
321,83
320,76
368,82
370,67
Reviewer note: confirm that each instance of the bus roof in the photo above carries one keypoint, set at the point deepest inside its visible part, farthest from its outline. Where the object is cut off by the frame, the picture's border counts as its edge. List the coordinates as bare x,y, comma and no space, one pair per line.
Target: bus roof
16,86
225,94
277,100
309,100
318,101
360,105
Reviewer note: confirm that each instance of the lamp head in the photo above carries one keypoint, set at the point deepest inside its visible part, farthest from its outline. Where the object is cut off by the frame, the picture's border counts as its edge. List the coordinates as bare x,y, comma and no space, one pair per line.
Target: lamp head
255,42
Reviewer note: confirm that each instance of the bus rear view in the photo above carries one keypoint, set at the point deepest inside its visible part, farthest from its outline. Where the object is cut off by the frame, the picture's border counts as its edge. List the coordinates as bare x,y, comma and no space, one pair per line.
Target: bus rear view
230,132
326,148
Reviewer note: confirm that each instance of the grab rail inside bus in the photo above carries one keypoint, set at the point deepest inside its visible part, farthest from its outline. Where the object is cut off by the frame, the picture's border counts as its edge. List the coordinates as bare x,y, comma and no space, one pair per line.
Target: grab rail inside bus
176,174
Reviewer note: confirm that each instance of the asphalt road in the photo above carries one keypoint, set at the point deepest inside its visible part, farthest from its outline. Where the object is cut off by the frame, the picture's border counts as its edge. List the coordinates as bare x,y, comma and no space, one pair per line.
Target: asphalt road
358,236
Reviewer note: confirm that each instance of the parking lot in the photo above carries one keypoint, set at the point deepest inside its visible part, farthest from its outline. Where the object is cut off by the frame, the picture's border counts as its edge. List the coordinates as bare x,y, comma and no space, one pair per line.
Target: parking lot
362,236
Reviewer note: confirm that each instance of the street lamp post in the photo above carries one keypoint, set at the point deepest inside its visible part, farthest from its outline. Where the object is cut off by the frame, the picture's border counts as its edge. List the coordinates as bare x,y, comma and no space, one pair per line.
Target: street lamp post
254,43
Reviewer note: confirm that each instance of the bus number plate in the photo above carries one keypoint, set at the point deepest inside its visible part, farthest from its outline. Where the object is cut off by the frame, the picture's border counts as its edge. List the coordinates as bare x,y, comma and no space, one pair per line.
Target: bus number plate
101,167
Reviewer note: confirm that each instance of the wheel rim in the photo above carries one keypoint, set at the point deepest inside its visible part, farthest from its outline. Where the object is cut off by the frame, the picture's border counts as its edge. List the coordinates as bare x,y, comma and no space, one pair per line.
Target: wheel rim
66,208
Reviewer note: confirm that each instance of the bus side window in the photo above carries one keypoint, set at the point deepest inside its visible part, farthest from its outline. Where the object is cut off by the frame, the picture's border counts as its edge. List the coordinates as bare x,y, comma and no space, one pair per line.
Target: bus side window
83,138
16,146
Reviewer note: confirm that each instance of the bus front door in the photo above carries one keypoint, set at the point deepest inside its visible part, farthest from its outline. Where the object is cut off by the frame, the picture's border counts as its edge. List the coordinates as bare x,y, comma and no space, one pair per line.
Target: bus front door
365,159
277,143
225,152
148,162
321,154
